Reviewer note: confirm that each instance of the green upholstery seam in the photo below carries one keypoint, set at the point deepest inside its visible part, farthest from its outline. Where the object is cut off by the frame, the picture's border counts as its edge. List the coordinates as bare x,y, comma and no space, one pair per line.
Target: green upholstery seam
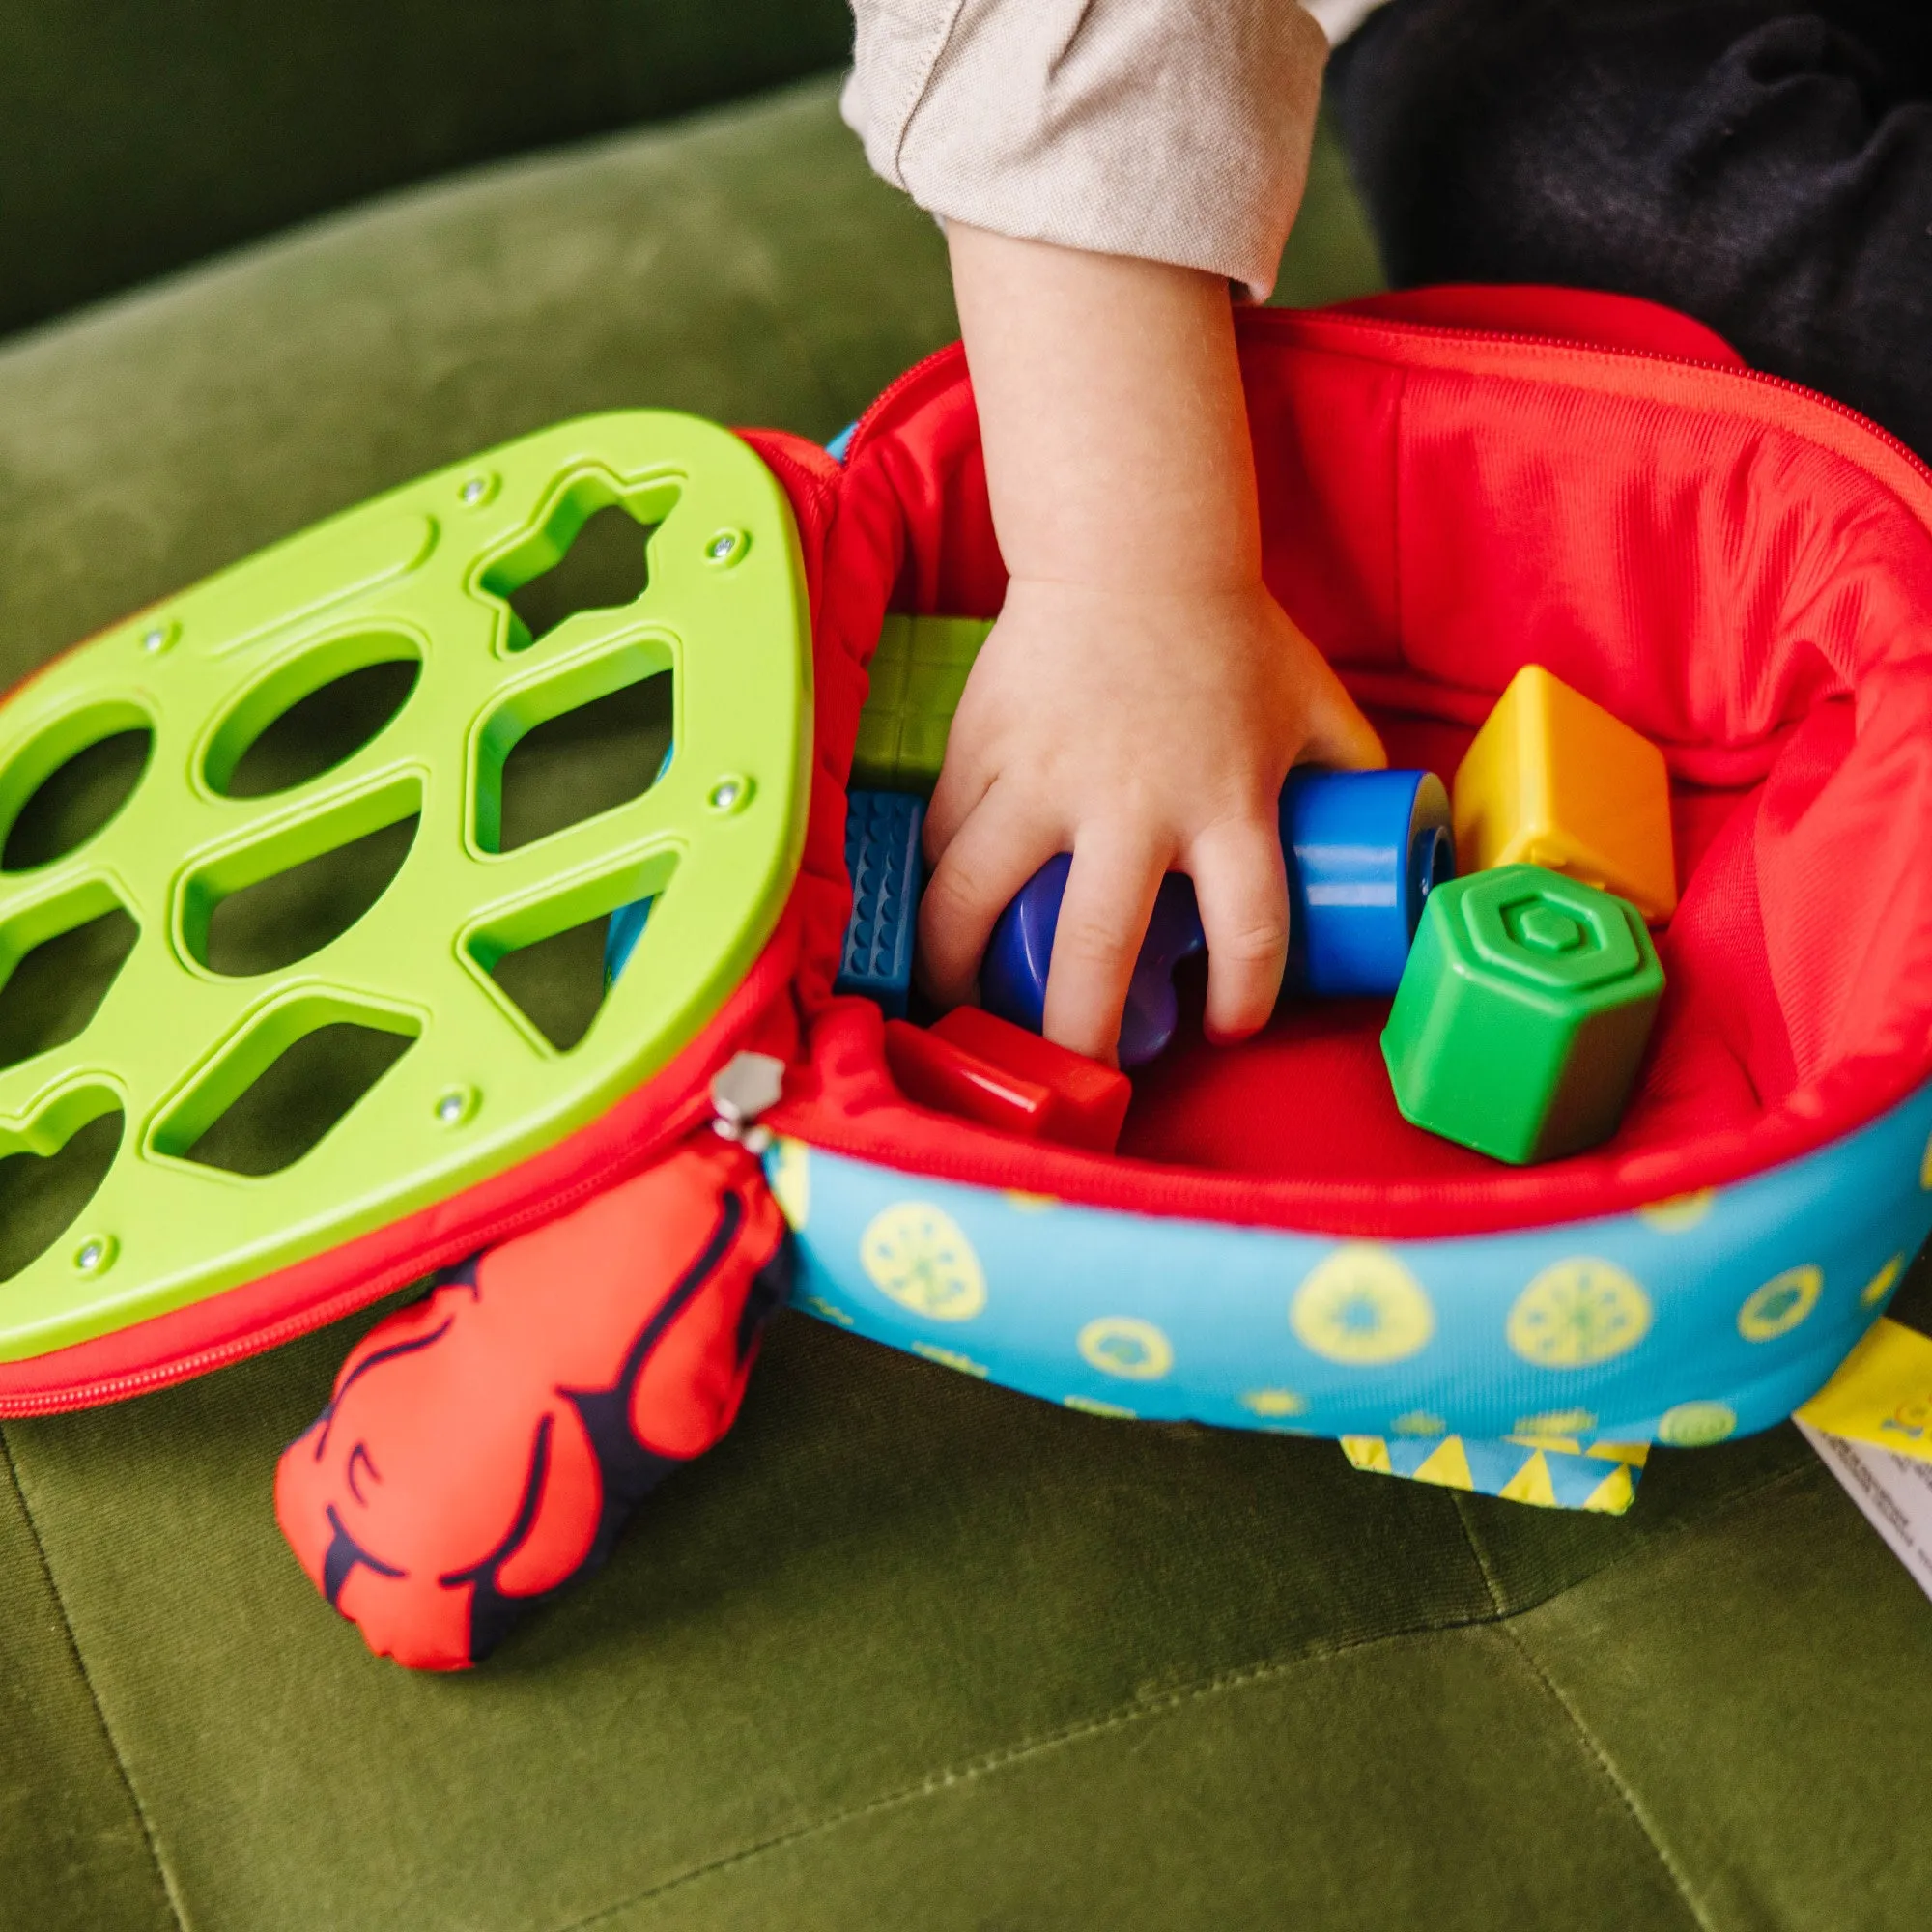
93,1696
1749,1492
1593,1747
1176,1699
1595,1752
1009,1755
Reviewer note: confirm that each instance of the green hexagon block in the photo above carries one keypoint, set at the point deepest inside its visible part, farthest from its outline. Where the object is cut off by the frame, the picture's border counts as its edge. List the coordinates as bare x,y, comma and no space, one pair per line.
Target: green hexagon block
1522,1013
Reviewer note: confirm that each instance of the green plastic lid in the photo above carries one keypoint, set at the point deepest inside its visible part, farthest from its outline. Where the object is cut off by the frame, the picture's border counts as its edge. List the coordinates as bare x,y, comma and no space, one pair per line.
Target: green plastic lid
423,575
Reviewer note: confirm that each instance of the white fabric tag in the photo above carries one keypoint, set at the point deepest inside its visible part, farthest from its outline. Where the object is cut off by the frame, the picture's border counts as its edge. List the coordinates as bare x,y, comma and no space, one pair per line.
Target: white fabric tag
1895,1493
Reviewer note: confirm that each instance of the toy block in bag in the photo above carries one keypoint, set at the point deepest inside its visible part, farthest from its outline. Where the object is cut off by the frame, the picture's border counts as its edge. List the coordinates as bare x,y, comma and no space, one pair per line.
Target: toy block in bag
918,676
1553,779
882,860
1524,1013
974,1064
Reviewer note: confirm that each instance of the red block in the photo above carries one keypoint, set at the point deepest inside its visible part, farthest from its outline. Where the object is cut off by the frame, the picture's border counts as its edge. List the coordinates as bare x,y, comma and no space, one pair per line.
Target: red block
971,1063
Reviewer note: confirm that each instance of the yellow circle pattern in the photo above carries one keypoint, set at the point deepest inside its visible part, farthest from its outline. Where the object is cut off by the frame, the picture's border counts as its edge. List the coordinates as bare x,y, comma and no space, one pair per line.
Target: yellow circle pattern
1419,1422
917,1256
1880,1285
1565,1422
1696,1425
1679,1215
1361,1307
1275,1401
1578,1312
1778,1307
1123,1346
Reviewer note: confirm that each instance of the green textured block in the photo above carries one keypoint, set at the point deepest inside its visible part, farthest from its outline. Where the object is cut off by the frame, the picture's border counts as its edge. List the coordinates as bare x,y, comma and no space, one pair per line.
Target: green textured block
918,676
1522,1013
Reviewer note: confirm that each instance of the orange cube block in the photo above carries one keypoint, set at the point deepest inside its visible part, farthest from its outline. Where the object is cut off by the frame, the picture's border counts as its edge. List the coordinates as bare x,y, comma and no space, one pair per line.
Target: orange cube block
1553,779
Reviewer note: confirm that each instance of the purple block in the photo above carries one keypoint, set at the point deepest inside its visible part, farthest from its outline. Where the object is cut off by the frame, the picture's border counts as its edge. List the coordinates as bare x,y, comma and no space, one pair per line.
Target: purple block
1012,977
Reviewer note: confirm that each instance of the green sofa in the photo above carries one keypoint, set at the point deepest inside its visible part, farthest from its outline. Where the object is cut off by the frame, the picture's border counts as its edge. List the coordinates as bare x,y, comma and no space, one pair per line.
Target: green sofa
907,1650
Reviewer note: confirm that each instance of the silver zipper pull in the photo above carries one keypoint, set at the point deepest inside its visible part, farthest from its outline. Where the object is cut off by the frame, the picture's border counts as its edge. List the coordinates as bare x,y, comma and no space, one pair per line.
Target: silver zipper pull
741,1090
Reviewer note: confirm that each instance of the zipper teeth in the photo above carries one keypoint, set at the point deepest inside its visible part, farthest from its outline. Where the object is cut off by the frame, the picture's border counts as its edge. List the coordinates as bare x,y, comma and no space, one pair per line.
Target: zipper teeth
1178,1189
346,1302
1170,1192
891,394
1495,337
688,1114
1734,370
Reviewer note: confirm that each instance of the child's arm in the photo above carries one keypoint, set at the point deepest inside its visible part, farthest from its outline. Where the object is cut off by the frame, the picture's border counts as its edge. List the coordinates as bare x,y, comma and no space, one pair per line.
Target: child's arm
1142,698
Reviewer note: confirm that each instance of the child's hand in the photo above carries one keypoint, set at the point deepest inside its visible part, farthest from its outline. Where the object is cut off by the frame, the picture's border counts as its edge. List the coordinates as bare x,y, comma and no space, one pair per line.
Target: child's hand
1144,733
1143,697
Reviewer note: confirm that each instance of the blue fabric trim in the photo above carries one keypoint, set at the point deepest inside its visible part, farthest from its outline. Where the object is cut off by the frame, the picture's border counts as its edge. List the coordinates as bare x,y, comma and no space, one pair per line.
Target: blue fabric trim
1684,1323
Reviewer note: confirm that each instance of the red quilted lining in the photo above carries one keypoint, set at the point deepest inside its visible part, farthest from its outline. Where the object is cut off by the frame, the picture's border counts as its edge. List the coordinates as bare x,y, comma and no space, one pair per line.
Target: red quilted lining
1740,569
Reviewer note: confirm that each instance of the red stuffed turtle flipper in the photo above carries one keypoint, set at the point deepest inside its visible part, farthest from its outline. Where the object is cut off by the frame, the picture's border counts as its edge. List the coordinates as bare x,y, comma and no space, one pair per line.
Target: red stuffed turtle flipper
484,1445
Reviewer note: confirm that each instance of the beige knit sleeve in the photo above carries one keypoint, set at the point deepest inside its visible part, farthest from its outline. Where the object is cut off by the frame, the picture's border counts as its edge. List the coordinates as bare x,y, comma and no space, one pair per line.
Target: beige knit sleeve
1173,130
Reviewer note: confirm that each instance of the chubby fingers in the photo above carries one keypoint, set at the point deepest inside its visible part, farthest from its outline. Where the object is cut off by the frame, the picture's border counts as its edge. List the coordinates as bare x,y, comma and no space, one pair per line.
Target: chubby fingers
1339,737
1103,918
988,856
1241,886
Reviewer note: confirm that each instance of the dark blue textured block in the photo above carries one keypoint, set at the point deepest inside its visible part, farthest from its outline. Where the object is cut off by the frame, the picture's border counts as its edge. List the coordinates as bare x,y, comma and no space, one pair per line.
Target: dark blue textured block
882,856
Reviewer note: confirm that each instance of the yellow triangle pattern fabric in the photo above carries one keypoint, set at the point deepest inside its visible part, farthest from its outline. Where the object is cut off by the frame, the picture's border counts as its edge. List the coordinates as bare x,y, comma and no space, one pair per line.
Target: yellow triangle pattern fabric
1520,1470
1614,1494
1531,1484
1448,1465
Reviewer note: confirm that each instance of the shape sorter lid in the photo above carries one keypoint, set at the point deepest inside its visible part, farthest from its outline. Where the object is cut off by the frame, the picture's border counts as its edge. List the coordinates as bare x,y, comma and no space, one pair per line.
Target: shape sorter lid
423,578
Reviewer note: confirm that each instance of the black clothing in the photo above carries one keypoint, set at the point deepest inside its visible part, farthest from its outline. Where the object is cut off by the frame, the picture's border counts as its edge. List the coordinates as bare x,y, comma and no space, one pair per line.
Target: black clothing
1766,167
